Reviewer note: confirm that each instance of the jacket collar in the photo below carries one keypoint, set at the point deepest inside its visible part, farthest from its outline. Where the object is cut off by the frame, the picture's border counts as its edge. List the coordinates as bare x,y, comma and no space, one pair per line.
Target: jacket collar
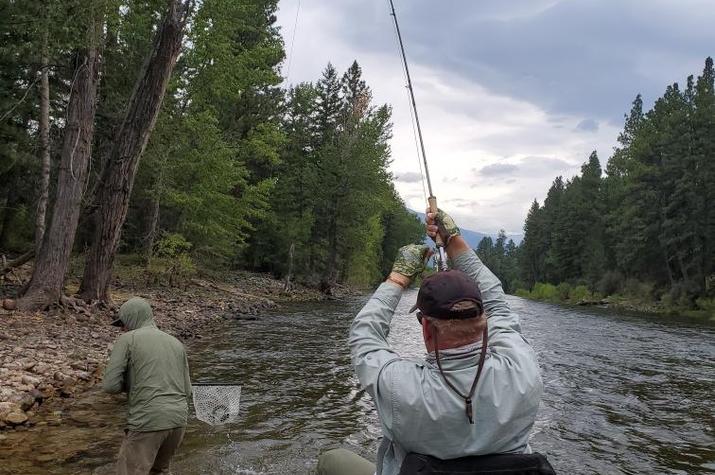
458,358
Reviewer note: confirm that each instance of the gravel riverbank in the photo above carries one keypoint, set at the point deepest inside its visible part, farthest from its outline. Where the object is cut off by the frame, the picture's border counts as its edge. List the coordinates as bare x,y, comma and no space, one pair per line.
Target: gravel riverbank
48,358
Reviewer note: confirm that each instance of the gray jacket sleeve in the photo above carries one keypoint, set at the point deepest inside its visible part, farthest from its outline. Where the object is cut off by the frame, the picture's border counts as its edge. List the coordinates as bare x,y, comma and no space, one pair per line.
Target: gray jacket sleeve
369,349
115,372
187,379
501,318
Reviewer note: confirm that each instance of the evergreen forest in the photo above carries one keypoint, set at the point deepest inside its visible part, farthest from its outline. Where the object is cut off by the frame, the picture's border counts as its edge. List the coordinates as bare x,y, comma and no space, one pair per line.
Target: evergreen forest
161,130
644,227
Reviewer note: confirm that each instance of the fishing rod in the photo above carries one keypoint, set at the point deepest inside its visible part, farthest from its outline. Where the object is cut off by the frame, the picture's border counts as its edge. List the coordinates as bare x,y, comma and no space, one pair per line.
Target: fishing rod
441,256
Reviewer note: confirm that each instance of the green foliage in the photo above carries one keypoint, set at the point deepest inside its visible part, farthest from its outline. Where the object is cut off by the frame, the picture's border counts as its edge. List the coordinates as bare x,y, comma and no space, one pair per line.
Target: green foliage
546,292
611,283
172,245
333,201
708,305
580,293
502,258
564,291
523,293
639,290
648,227
171,262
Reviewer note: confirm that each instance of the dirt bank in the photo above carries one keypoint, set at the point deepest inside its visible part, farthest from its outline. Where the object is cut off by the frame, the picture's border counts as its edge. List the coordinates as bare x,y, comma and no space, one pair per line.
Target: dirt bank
48,358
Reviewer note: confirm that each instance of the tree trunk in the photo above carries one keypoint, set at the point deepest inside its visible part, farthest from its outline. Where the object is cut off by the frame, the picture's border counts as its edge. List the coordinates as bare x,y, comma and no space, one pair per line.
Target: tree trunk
12,200
51,264
152,221
291,253
44,150
118,176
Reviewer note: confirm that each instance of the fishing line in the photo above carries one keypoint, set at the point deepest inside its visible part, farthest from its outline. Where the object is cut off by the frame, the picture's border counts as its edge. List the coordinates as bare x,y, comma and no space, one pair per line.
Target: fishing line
412,97
440,255
412,122
292,42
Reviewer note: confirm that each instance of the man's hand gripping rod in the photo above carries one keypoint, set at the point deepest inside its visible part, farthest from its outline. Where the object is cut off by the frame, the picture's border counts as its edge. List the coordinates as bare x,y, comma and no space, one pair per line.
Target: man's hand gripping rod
440,255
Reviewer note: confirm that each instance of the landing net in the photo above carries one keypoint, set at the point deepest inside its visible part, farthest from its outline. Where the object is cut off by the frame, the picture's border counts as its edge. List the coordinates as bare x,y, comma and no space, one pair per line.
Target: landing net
216,404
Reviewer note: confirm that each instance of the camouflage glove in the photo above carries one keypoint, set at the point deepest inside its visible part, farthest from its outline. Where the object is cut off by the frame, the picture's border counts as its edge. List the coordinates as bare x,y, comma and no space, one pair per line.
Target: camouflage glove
410,260
446,225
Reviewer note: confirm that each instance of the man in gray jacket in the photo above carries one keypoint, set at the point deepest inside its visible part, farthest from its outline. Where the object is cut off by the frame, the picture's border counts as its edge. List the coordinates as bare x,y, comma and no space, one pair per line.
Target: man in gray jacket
479,388
152,368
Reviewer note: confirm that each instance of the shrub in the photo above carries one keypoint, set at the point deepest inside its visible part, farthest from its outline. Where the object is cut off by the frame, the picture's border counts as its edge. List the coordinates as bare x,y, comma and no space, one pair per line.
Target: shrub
707,304
611,283
171,263
579,293
563,291
523,293
172,245
544,292
639,290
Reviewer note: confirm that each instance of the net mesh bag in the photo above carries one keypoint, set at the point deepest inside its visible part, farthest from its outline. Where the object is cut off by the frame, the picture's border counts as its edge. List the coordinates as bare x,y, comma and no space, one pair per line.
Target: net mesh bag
216,404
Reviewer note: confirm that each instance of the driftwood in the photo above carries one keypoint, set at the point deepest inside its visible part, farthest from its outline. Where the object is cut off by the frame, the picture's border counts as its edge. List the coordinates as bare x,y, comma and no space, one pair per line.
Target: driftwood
17,262
592,302
211,285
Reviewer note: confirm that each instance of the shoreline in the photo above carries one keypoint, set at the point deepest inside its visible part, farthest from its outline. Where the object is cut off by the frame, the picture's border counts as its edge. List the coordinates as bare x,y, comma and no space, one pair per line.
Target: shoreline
631,307
48,359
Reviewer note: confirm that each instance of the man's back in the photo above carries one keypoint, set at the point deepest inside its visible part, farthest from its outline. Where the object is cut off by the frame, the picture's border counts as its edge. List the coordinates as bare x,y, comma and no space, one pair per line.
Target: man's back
152,368
419,412
425,416
157,380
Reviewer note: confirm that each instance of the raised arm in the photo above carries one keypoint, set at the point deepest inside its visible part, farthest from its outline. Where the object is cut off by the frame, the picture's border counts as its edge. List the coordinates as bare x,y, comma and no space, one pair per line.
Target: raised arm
369,349
466,260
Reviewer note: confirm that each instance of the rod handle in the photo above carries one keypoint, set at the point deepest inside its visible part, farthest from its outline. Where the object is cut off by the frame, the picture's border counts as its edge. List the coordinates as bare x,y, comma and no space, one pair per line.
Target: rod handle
432,200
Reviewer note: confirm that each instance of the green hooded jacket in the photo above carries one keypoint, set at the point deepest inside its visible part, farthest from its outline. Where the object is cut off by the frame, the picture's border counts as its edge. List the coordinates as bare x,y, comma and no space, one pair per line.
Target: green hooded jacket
152,368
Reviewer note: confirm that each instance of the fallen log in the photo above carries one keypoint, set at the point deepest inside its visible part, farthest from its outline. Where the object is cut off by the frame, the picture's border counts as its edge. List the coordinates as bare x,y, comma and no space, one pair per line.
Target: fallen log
17,262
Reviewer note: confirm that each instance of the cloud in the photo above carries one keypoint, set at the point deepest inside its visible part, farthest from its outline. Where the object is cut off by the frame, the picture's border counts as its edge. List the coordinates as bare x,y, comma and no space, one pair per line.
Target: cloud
502,86
587,125
497,169
409,177
589,57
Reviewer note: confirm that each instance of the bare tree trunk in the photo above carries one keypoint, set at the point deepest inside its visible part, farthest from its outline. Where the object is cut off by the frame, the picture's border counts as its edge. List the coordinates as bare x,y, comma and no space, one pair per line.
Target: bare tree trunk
12,200
152,221
51,264
118,176
44,150
291,253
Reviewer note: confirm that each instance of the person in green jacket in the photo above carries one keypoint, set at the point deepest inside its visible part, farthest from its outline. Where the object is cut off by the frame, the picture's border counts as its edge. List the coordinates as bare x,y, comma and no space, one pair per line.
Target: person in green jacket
152,368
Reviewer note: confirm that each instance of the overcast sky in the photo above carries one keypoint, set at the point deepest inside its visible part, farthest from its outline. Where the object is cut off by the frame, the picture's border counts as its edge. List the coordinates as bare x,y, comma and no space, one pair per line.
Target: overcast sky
511,93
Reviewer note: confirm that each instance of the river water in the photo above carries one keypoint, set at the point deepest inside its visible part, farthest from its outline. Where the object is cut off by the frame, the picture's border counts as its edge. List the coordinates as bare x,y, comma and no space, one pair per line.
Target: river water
623,394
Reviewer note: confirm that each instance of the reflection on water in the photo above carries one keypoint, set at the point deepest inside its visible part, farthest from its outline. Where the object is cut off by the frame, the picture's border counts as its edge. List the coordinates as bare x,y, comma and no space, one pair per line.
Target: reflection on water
623,394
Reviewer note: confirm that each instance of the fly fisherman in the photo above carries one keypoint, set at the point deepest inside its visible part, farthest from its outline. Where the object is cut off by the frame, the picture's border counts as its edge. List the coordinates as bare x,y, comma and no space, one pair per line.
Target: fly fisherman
476,393
151,367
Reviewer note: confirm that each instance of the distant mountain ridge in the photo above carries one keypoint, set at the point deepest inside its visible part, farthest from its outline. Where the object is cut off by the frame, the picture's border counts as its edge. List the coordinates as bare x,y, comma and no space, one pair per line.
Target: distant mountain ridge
473,237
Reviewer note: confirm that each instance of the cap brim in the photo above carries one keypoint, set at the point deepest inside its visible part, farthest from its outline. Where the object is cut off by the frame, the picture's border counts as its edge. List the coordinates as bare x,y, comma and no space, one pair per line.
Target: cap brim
117,323
414,307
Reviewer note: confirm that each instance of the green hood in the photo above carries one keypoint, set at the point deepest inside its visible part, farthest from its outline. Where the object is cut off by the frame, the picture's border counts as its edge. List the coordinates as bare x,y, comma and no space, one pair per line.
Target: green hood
136,313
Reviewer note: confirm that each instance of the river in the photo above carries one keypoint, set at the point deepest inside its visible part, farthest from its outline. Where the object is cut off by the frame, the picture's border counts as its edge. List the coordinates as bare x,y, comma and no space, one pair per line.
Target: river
623,394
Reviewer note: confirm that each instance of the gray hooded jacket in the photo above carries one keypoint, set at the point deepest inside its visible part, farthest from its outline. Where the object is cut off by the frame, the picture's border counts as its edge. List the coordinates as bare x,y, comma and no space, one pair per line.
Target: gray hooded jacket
151,367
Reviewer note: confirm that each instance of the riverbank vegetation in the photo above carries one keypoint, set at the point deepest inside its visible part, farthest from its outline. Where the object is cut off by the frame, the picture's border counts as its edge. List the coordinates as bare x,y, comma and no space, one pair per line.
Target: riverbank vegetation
161,129
643,234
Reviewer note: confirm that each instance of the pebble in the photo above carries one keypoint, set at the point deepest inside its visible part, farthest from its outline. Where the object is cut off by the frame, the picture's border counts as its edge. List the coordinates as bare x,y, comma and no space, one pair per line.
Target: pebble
16,418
